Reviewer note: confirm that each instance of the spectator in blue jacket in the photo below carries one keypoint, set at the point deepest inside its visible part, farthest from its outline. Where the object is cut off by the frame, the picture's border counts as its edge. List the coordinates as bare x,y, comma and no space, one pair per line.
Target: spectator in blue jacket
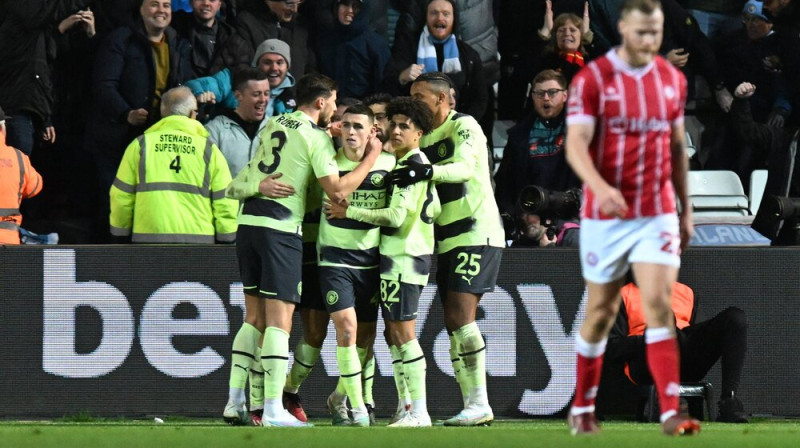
272,57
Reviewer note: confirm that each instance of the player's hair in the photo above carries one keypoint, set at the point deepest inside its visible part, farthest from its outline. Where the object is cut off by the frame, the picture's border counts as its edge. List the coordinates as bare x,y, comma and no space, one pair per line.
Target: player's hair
313,86
417,111
646,7
550,75
377,98
438,81
360,109
244,75
178,101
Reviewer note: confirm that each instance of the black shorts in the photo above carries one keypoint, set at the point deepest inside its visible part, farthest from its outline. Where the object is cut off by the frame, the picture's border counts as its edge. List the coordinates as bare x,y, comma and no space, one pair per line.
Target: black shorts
399,301
269,262
470,269
311,297
345,288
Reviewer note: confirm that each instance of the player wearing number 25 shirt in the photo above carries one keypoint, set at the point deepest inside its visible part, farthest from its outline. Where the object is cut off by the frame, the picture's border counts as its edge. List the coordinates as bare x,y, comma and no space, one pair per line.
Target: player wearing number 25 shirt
469,235
170,185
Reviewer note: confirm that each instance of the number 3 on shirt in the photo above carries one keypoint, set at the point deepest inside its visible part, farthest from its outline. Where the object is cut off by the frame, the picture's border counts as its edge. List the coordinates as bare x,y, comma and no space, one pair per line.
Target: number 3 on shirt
276,153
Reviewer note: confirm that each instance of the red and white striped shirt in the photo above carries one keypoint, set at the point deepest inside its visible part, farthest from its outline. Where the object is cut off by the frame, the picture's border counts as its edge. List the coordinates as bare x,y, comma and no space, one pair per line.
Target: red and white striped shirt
633,111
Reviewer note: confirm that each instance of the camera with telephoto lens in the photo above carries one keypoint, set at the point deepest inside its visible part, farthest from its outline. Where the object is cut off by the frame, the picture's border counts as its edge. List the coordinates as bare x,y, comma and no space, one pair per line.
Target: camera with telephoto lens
550,204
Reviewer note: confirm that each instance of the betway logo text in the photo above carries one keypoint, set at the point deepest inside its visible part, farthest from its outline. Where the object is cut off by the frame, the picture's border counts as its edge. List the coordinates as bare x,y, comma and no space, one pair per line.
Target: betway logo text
156,328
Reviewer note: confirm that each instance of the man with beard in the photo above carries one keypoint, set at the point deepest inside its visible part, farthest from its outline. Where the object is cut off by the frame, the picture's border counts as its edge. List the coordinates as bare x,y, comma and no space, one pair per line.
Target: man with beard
534,154
269,239
626,141
377,103
469,235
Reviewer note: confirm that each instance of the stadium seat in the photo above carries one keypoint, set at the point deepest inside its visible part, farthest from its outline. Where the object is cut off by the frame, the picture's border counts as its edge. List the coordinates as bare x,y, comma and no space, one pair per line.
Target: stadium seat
697,396
758,180
691,149
717,193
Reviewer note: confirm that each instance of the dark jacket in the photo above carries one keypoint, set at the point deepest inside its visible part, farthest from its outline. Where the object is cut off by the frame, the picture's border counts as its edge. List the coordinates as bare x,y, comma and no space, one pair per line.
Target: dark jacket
681,31
256,24
776,149
787,27
742,60
354,56
471,90
184,24
476,28
522,47
26,51
518,169
124,80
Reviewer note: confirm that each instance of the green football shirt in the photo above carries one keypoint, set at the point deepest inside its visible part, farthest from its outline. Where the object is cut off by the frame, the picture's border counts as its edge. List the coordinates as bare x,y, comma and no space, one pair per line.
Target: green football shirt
293,145
407,227
457,149
347,242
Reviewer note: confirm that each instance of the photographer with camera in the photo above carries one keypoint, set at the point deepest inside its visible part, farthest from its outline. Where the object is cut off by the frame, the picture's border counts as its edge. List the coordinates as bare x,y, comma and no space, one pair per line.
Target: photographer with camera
547,218
534,155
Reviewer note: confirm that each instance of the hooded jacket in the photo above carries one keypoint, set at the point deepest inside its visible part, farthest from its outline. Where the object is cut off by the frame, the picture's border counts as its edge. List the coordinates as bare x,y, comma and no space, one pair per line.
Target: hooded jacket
353,55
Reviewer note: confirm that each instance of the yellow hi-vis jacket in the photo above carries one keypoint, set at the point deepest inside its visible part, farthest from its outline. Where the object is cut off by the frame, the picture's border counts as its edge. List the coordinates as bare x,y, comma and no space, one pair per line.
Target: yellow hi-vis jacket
170,187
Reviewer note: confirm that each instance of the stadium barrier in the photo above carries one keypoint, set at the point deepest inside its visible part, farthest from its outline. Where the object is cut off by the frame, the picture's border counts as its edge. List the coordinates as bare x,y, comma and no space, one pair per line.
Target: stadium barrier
147,330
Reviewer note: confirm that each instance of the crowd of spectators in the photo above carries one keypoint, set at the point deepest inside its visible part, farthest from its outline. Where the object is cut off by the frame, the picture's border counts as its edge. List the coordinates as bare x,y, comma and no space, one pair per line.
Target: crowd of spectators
84,78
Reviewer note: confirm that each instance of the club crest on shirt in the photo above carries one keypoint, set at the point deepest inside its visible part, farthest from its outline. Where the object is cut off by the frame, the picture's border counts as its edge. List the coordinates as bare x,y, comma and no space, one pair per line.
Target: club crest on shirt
332,297
442,150
669,92
376,180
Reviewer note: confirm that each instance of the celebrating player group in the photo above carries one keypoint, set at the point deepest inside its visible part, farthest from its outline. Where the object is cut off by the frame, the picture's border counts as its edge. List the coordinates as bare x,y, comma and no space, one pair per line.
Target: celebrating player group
374,208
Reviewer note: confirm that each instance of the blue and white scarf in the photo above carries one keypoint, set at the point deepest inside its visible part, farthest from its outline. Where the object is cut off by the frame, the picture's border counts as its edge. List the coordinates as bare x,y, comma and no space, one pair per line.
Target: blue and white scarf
426,53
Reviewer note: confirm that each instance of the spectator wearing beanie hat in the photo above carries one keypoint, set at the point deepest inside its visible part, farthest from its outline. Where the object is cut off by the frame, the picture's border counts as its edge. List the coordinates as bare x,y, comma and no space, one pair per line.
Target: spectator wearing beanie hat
273,57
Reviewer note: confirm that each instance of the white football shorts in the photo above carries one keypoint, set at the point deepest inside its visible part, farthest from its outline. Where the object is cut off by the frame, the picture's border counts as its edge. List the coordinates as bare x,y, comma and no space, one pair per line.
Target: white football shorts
609,246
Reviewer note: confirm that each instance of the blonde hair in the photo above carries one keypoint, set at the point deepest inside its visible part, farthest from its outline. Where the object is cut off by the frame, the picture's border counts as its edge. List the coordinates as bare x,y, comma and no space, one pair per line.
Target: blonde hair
559,22
646,7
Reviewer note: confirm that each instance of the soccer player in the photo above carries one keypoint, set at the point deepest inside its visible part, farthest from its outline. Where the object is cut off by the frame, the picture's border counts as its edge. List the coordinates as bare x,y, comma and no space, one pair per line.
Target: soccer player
269,243
625,140
469,235
377,102
406,246
348,268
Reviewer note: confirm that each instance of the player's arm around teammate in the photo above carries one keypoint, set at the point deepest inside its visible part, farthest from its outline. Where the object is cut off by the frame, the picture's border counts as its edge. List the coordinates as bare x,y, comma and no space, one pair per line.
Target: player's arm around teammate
269,245
348,263
406,247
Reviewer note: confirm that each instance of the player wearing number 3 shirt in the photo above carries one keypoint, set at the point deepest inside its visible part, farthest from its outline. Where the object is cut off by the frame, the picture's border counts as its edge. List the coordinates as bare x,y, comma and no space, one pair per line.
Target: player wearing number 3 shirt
625,140
294,151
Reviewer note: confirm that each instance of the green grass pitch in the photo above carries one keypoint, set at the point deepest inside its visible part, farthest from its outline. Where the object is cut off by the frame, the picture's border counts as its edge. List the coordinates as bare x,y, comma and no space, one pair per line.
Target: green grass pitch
179,433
